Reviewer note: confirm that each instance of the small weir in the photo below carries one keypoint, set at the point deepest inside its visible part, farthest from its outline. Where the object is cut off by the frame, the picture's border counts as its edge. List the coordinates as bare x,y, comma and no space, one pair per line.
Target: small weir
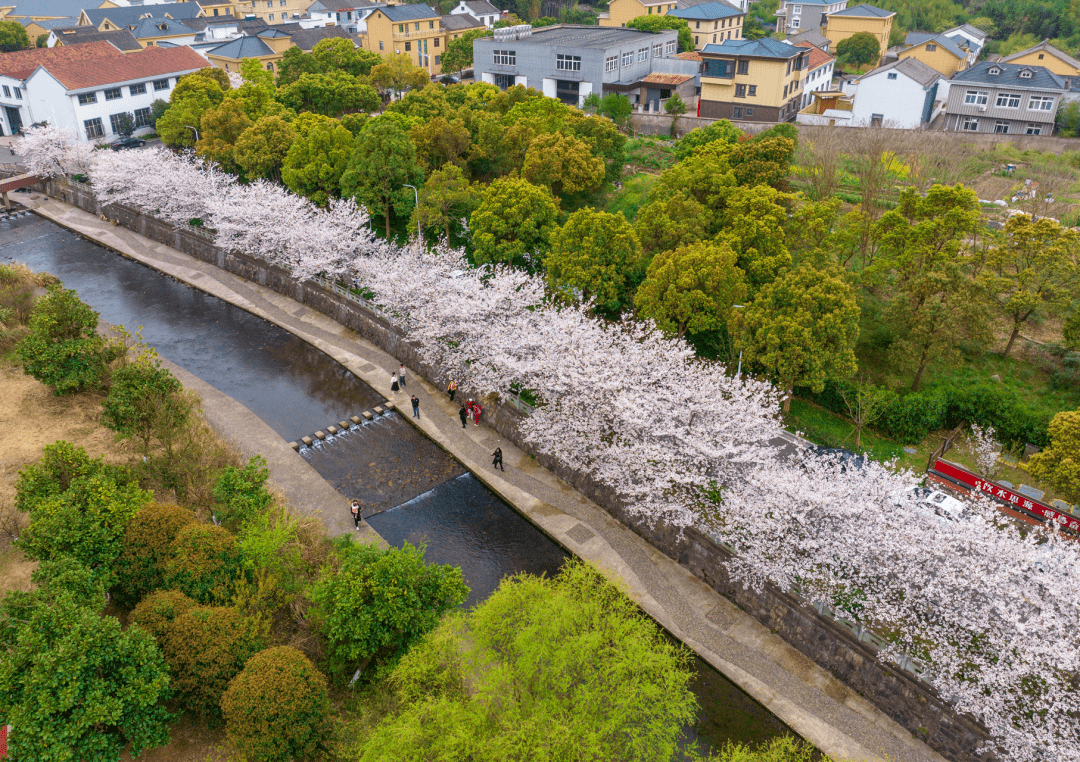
411,489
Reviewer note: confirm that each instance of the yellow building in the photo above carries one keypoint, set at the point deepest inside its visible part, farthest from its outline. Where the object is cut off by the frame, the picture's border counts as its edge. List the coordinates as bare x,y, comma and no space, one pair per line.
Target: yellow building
268,47
711,23
752,80
940,53
414,30
270,11
224,8
1046,55
840,25
621,12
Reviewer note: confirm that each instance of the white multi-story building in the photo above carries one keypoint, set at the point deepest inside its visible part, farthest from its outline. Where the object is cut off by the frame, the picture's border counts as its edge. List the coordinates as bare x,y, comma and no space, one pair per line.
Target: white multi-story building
91,97
819,72
794,16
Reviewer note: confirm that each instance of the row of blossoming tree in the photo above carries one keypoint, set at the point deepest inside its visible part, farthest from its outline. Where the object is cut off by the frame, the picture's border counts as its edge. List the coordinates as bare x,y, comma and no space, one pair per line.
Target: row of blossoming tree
992,612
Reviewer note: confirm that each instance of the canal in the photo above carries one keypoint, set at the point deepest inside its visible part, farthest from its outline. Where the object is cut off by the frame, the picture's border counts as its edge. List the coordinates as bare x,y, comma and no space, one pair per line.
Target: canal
411,489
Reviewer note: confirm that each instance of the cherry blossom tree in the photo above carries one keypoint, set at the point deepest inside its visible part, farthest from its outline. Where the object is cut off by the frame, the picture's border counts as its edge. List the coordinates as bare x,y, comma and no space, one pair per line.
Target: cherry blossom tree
989,612
52,152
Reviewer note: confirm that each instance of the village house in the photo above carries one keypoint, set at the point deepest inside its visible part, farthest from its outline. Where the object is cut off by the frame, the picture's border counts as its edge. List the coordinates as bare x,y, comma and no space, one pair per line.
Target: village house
842,24
1006,98
712,23
752,80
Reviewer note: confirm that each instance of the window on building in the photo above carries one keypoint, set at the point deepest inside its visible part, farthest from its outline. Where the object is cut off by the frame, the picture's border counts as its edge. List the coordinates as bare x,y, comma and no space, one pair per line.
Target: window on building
796,9
743,67
567,91
142,117
1001,127
269,65
696,42
892,75
697,25
116,122
86,99
1041,103
658,50
93,128
740,91
753,91
736,113
975,98
970,124
269,3
416,26
401,28
1034,129
795,23
628,58
505,57
271,17
669,47
113,93
437,59
139,89
7,91
749,113
18,93
436,42
215,11
408,46
931,47
1008,100
503,81
721,68
611,63
1025,74
643,54
567,63
161,84
785,90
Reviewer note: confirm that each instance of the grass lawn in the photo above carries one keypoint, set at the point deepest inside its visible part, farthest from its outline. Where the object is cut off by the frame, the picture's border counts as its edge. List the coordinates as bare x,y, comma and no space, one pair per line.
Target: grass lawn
644,154
633,195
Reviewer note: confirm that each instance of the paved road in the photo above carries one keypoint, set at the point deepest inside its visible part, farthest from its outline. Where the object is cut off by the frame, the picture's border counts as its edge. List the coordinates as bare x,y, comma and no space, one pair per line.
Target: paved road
807,698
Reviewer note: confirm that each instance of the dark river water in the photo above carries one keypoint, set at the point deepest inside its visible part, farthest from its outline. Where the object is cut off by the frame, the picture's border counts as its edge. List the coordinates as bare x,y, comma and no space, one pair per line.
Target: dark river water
412,490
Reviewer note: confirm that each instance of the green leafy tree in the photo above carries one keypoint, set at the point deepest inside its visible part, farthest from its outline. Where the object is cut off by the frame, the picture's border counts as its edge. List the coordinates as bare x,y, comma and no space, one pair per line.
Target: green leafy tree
261,149
382,164
61,465
214,74
63,349
564,164
157,611
596,256
1068,120
753,30
1070,332
241,493
439,141
331,94
513,224
125,124
317,159
295,62
205,563
692,288
763,162
603,137
147,547
569,665
340,54
706,177
206,647
801,329
379,602
674,108
668,223
13,37
178,125
219,130
157,109
146,403
459,52
446,200
933,303
278,708
397,72
1060,462
1033,266
721,130
656,23
617,108
42,41
73,685
753,223
204,81
860,48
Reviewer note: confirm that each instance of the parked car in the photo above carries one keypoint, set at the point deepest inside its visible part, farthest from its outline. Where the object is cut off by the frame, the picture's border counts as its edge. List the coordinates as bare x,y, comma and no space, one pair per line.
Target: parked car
846,458
931,502
128,142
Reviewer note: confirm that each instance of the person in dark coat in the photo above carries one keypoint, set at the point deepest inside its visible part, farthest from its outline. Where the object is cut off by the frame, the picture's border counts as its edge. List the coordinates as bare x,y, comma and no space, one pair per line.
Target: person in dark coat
496,459
393,382
415,406
463,414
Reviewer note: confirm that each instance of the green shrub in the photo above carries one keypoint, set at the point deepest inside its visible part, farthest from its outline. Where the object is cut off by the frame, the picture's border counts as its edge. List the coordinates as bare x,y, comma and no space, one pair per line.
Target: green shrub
277,709
61,464
205,648
147,548
158,610
146,403
63,349
242,493
205,563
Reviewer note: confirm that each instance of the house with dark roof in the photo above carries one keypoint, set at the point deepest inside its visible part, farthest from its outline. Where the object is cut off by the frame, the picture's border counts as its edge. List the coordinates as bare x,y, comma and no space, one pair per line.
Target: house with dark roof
841,24
17,66
415,30
34,29
1002,97
43,10
457,24
109,19
1046,55
156,31
92,96
268,47
481,10
711,22
752,80
942,54
814,37
80,35
621,12
342,13
975,37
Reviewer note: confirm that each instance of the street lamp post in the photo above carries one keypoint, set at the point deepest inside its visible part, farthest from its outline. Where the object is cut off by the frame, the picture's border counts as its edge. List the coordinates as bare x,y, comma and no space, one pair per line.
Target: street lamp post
738,372
195,131
416,200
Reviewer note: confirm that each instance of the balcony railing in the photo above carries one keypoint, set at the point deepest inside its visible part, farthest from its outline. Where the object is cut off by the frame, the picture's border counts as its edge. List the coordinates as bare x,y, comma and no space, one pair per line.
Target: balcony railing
413,34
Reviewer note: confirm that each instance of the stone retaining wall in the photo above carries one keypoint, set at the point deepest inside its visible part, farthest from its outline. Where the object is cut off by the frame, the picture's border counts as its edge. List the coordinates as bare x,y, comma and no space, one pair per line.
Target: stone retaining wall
903,697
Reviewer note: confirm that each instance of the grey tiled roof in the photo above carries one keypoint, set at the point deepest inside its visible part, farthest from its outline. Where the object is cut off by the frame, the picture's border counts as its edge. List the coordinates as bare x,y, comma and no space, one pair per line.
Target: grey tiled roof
914,38
766,47
706,11
912,68
307,39
1047,47
458,21
865,10
159,27
410,12
242,47
130,15
813,36
482,8
938,39
1041,77
47,7
50,24
122,38
974,31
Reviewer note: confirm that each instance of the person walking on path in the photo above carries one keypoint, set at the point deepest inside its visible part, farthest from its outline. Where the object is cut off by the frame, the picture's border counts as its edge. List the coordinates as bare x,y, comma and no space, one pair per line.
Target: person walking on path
401,376
415,406
463,414
476,413
496,459
451,389
393,383
356,517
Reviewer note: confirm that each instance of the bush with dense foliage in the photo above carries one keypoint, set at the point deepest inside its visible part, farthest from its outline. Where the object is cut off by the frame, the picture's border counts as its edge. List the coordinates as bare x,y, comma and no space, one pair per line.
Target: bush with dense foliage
205,648
1060,462
146,403
64,350
277,709
241,492
157,611
205,564
147,549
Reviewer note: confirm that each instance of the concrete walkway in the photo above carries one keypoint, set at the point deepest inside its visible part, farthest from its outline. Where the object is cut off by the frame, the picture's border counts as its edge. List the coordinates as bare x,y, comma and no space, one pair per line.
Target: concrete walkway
809,700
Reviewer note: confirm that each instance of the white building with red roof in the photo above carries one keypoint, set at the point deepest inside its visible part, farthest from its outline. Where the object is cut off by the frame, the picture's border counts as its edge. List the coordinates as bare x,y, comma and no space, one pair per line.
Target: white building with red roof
89,94
819,74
